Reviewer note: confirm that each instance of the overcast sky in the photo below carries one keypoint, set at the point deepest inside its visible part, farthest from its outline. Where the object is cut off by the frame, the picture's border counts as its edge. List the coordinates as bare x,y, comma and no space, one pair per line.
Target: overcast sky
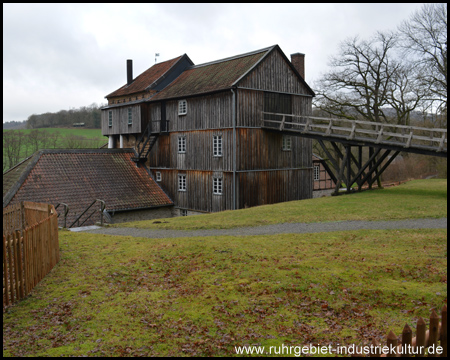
63,56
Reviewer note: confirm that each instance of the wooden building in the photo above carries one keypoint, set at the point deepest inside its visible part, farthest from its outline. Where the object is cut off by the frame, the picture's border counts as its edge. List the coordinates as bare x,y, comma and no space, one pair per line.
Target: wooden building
198,128
323,178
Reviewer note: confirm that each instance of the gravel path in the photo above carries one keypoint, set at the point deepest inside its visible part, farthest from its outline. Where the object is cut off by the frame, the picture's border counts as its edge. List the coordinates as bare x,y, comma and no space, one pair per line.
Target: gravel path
279,228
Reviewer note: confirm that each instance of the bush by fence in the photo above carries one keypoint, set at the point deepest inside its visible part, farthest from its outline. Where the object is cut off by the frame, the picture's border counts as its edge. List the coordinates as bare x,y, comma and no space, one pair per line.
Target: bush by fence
30,247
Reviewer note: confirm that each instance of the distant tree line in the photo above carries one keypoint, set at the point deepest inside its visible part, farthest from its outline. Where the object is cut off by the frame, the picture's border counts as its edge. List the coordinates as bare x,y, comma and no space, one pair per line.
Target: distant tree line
13,125
89,115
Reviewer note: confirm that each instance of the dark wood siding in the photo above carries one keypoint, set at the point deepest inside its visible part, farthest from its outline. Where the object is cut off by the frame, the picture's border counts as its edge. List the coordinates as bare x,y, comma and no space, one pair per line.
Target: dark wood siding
274,74
120,120
269,187
199,151
206,112
262,149
252,102
199,189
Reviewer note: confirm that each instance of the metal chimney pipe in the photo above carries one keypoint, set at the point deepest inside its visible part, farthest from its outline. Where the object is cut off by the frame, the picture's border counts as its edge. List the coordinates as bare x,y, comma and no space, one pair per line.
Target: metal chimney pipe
129,72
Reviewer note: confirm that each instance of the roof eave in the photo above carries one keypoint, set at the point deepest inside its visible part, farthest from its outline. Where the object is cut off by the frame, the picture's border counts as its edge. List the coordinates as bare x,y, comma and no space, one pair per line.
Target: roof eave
11,192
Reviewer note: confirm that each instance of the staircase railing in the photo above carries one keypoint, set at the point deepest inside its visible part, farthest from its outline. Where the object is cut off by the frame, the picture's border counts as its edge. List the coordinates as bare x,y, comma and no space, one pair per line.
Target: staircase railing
102,208
66,211
149,137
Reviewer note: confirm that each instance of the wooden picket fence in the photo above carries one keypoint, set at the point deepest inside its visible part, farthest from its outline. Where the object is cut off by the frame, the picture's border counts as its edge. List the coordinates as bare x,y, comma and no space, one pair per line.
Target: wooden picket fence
30,247
435,336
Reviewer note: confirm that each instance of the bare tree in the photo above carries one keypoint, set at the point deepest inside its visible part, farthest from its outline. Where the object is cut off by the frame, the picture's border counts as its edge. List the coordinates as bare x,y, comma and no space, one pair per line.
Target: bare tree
365,80
368,81
424,40
53,139
13,151
34,138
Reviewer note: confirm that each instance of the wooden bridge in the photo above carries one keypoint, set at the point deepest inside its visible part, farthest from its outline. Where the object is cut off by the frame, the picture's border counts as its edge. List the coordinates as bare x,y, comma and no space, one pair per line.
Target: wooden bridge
381,139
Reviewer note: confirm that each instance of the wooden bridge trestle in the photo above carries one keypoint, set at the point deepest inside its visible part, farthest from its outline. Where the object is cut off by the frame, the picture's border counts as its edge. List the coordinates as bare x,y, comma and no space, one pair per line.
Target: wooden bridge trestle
384,141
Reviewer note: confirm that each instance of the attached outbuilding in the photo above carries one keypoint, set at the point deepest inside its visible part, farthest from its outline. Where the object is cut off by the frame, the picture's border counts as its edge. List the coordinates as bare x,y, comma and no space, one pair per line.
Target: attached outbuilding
80,177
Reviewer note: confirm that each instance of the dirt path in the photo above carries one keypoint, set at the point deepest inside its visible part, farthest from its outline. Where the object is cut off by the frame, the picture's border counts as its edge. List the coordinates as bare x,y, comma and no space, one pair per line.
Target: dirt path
279,228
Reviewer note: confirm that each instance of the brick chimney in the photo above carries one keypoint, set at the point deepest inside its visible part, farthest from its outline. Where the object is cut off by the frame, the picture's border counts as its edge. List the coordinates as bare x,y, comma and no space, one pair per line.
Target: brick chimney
129,72
298,60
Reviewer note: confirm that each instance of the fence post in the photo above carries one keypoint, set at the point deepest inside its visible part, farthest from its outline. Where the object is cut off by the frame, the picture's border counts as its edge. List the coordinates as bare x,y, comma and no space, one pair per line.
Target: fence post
406,341
5,274
421,337
434,332
22,213
444,331
376,348
392,343
20,260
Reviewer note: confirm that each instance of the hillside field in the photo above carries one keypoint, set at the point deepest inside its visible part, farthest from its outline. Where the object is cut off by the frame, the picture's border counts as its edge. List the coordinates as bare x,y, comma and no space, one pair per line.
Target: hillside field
19,144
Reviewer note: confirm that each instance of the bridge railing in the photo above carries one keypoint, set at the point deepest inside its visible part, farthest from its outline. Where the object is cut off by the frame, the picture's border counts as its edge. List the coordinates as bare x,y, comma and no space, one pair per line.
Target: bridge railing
377,133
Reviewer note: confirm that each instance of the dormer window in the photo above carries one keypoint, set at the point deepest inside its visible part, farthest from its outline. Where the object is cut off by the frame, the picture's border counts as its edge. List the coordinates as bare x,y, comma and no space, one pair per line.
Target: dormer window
182,107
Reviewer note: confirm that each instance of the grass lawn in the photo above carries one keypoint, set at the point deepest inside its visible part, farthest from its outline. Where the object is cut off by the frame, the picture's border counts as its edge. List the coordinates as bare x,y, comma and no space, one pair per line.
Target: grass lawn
411,200
124,296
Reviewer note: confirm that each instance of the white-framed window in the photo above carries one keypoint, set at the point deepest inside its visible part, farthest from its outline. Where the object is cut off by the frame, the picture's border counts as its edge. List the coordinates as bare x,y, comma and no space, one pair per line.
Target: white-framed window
181,182
217,145
130,116
181,144
316,172
158,176
182,107
183,212
217,186
110,118
287,143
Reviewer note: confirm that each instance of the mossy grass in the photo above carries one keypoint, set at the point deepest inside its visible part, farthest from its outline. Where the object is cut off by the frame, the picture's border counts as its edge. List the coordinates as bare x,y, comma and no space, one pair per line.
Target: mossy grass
124,296
411,200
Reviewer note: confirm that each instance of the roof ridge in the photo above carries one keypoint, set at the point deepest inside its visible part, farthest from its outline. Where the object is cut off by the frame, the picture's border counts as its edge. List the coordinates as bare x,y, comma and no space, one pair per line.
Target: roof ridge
233,57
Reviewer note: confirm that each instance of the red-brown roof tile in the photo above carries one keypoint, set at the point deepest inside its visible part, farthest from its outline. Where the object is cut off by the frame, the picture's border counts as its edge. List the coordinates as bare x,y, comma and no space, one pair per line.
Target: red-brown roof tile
210,77
148,77
78,177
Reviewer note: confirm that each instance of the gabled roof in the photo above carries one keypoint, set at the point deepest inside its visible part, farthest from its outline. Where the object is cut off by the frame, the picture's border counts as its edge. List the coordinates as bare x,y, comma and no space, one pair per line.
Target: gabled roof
219,75
212,76
149,77
78,177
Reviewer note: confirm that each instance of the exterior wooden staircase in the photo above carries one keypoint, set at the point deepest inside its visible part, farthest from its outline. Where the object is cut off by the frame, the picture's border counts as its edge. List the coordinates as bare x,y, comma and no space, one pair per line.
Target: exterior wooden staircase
147,140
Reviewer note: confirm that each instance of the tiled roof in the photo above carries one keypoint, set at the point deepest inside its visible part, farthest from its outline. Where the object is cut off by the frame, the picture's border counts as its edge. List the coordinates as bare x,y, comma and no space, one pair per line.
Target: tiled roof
214,76
148,77
78,177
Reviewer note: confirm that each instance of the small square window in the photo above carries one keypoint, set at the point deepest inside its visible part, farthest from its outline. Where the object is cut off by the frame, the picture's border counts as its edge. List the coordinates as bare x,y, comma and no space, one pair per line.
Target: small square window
287,143
217,186
182,107
181,144
158,176
110,118
316,172
130,116
183,212
217,145
181,182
